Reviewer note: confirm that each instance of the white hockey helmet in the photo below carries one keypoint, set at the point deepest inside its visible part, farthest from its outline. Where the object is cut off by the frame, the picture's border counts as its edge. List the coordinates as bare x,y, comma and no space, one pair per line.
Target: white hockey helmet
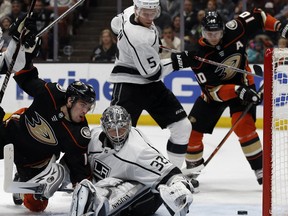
116,123
148,4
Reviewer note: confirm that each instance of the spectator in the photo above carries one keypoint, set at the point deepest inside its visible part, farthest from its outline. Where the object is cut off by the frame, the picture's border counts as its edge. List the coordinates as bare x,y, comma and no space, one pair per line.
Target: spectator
43,18
107,48
190,16
163,20
170,6
169,40
5,23
226,8
196,32
176,25
16,10
5,8
238,9
255,52
282,42
211,5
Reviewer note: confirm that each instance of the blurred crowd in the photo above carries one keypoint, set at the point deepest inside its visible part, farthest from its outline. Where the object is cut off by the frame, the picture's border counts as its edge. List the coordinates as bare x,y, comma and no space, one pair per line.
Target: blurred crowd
169,23
44,10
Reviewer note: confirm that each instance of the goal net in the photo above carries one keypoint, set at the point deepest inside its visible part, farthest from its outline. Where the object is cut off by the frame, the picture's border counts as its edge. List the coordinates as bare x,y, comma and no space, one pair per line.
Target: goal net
275,136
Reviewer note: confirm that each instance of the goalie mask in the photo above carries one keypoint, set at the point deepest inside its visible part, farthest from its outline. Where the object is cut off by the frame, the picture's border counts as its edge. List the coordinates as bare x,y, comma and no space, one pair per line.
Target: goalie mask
212,27
116,123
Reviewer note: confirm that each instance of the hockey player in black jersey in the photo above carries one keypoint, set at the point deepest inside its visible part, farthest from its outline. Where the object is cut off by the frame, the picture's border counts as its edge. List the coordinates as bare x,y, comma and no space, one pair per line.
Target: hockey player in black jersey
54,123
222,87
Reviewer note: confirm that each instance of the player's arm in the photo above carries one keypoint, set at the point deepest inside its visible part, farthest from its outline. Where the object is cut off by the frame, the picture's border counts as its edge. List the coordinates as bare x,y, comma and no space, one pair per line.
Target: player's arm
227,92
259,19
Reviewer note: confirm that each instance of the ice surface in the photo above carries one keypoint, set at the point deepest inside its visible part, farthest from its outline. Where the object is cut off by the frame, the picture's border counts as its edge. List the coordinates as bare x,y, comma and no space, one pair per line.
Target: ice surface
227,184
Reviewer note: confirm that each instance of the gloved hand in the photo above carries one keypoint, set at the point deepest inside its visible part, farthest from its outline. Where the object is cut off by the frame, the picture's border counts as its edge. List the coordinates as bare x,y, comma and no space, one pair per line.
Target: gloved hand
17,27
284,30
2,113
248,94
32,52
181,60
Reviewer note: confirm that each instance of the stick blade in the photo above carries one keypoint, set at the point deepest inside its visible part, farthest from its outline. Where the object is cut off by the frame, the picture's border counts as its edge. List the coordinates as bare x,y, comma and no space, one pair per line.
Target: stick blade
258,70
16,187
195,170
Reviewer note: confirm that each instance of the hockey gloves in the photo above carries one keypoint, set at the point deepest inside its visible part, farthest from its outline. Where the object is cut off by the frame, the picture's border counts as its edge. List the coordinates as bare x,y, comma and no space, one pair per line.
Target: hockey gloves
181,60
17,27
248,94
284,30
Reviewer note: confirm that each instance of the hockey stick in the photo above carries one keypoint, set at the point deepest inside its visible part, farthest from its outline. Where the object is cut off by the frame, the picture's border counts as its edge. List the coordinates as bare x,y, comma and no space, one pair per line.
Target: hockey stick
30,187
17,187
257,69
78,3
236,123
15,54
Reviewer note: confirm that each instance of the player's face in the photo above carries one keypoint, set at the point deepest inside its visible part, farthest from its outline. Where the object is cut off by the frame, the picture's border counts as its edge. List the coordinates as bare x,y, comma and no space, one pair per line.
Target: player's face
146,16
213,37
79,110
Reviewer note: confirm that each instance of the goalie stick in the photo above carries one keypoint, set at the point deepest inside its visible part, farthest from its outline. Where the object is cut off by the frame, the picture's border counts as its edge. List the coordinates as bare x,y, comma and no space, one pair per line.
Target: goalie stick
17,187
257,69
52,175
197,169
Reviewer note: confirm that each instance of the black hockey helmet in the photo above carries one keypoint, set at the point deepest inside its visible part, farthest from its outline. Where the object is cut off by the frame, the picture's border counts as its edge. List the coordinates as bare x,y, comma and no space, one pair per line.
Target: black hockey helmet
212,21
79,90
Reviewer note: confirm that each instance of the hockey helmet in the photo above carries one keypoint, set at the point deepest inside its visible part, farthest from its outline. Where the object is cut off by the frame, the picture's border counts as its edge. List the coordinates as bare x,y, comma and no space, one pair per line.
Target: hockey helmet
116,123
147,9
212,21
79,90
148,4
212,27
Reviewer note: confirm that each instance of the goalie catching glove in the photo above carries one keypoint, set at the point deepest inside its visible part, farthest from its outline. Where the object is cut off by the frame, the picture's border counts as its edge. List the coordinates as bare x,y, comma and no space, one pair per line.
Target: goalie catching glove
248,94
177,195
18,26
181,60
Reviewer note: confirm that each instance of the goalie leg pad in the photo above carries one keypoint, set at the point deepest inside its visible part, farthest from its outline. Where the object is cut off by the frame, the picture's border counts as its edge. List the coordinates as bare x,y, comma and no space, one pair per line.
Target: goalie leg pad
85,200
51,178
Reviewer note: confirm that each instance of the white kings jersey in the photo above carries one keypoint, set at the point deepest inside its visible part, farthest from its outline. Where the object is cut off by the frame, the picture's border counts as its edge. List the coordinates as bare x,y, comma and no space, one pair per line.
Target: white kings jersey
138,46
137,160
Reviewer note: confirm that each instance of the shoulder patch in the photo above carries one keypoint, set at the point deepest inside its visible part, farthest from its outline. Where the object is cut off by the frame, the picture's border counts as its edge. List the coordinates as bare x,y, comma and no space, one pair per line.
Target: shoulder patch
232,25
85,132
59,87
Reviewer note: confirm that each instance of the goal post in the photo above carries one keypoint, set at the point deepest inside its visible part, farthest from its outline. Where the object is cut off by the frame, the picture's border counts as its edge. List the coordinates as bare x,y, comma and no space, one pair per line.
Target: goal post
275,133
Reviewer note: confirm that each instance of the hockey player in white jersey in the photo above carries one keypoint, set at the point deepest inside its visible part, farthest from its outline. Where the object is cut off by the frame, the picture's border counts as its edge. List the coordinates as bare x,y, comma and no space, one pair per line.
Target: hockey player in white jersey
138,72
119,151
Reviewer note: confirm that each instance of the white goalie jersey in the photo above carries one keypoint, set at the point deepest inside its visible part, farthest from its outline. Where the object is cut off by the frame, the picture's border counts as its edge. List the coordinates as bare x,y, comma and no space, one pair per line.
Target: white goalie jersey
137,160
138,60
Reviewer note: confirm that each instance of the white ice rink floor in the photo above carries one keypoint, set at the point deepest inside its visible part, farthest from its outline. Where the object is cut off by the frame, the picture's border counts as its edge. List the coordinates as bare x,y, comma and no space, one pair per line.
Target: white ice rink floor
227,184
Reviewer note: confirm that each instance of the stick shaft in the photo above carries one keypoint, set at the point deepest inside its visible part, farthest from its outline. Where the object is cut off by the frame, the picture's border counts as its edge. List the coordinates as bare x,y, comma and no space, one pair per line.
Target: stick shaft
214,63
231,129
60,17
